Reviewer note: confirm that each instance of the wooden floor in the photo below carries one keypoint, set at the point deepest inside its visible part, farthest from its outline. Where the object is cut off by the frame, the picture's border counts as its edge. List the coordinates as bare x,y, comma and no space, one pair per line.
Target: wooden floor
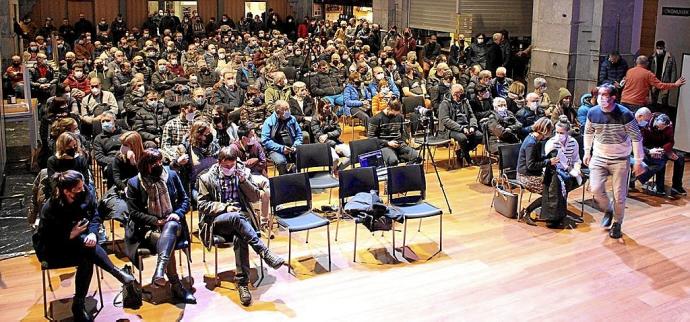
491,268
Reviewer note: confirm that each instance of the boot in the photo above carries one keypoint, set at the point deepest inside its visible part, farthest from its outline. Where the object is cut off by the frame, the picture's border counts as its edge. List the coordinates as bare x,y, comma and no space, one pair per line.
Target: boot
245,295
159,275
79,310
468,159
181,293
122,276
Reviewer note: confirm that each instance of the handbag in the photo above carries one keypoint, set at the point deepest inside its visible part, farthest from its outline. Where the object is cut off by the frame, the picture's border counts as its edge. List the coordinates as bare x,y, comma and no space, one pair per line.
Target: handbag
131,293
505,201
486,174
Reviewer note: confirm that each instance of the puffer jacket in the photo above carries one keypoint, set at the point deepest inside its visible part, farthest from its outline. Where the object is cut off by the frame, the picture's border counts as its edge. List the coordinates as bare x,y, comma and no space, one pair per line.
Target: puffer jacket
149,121
106,146
162,81
353,97
325,84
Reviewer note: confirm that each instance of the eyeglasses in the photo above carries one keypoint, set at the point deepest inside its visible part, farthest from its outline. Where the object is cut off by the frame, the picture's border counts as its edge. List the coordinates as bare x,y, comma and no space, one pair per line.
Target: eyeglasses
95,86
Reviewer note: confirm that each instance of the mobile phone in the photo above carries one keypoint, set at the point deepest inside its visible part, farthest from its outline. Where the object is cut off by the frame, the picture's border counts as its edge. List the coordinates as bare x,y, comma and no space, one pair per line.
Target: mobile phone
83,222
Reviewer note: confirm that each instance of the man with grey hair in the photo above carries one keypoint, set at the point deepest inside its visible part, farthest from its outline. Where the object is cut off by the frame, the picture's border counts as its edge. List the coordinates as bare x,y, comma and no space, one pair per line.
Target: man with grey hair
529,114
639,80
280,136
657,135
540,90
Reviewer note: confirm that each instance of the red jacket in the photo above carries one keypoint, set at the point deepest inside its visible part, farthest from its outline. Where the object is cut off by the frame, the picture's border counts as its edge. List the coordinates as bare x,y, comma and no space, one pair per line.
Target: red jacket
303,30
652,138
82,85
403,47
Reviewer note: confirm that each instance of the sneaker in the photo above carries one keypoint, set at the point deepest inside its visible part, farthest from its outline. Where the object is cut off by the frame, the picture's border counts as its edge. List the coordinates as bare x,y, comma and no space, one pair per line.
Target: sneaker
606,220
615,231
654,192
678,192
527,218
273,260
245,295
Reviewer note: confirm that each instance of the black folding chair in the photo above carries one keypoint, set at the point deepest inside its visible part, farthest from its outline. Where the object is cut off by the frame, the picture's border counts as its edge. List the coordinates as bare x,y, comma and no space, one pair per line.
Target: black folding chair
507,167
316,160
359,147
291,206
45,274
406,181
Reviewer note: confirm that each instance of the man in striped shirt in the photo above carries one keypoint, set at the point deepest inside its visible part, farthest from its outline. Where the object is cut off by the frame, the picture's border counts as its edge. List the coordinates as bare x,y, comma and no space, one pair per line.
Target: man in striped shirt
611,133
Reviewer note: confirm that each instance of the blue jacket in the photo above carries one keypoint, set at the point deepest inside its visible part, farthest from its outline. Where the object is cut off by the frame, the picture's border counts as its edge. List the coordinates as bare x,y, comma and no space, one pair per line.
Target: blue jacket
353,98
585,105
372,88
268,131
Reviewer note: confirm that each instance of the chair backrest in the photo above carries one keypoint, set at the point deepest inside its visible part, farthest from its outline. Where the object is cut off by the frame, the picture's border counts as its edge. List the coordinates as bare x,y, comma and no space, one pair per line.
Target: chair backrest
315,155
290,73
410,103
289,188
581,144
405,179
358,147
354,181
508,159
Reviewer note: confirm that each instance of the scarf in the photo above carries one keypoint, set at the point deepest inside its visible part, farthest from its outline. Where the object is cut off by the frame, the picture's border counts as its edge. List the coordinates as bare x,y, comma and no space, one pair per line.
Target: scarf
157,191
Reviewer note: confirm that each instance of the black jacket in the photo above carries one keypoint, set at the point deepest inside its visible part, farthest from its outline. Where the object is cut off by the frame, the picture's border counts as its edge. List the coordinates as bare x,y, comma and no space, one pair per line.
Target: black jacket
502,130
122,172
228,99
149,122
325,84
456,116
106,146
328,126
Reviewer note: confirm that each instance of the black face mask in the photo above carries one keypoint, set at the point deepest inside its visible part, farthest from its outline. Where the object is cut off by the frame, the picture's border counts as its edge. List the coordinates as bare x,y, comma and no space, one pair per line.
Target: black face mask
156,171
71,152
208,139
217,119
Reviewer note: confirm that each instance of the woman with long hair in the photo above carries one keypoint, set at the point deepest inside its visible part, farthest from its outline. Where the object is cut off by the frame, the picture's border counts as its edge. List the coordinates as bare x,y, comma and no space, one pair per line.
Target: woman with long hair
66,236
157,205
124,167
69,155
327,130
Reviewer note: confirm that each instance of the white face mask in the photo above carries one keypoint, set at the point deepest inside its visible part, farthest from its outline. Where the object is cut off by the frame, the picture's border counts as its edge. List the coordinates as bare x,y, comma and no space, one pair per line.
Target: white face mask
561,137
533,106
603,102
659,51
95,91
379,76
78,74
190,116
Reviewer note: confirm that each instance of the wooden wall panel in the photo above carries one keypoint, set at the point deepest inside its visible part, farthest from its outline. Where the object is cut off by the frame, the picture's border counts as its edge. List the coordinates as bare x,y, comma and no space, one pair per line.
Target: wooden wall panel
279,6
207,9
54,9
74,8
234,9
136,13
648,31
107,9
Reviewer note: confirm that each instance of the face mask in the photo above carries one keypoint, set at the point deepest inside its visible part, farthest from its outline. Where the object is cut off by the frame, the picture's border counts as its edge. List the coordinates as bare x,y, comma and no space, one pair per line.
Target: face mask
153,104
227,171
200,101
486,94
502,110
124,149
78,74
108,127
643,123
208,139
71,152
533,106
221,56
95,91
253,141
603,102
193,80
286,115
561,137
217,120
230,83
256,100
162,68
659,52
379,76
173,62
190,116
298,53
156,171
480,41
500,79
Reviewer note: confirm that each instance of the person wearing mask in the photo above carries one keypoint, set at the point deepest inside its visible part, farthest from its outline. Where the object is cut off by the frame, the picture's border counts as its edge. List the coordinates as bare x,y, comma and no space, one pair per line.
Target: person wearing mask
587,101
357,98
163,79
429,53
278,89
327,130
302,108
280,136
229,95
84,25
382,97
564,144
414,85
482,102
135,97
663,65
482,78
138,66
226,192
203,106
502,125
404,45
69,155
390,67
79,83
42,79
540,89
254,111
150,119
611,134
96,102
529,114
500,84
612,70
67,31
226,131
107,144
380,75
658,140
457,121
516,97
157,205
387,128
121,81
478,52
638,82
66,236
174,132
123,167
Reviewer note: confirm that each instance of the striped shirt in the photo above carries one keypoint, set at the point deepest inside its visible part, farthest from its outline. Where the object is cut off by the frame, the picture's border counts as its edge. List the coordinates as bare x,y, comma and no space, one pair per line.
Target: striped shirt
571,151
613,135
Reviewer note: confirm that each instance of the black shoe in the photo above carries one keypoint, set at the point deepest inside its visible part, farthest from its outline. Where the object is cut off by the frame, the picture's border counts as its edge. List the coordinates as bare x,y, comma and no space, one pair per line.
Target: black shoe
656,192
615,231
555,224
245,295
606,220
527,218
181,293
575,219
79,310
273,260
678,192
122,276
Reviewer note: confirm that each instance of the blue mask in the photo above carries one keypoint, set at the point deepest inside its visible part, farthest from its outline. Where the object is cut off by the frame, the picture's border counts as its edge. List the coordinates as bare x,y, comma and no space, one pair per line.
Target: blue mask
643,123
108,127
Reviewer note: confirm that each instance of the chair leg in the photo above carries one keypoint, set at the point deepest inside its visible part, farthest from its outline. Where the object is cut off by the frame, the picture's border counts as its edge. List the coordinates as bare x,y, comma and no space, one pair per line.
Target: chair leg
419,229
393,231
330,191
179,254
354,252
337,222
188,253
203,253
261,267
328,236
215,263
440,233
100,291
141,267
307,241
50,284
290,251
404,237
112,234
45,300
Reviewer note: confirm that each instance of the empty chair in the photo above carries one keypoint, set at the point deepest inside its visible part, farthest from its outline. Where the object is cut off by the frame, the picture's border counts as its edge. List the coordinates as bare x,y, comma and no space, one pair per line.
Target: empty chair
410,183
291,207
359,147
316,160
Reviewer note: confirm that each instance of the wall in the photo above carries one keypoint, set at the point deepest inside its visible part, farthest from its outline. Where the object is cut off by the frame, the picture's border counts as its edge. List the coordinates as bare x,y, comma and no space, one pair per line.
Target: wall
648,31
673,30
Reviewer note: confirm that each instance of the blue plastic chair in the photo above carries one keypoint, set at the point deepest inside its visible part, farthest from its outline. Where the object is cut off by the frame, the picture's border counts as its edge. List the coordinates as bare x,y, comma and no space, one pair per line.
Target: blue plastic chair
316,160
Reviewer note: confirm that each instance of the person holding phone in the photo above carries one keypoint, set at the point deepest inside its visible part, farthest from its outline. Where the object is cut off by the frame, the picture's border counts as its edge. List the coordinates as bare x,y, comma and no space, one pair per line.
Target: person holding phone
66,236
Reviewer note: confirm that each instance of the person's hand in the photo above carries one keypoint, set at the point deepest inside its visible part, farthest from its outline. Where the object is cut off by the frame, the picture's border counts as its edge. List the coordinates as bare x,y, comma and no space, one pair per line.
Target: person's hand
466,131
90,240
672,155
393,144
554,160
586,159
251,162
638,169
509,130
287,150
472,129
656,153
323,138
160,222
172,217
157,140
183,159
680,81
77,230
130,156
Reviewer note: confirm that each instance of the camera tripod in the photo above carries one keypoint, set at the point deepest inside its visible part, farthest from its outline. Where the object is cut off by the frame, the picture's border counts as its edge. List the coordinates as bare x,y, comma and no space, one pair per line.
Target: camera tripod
425,150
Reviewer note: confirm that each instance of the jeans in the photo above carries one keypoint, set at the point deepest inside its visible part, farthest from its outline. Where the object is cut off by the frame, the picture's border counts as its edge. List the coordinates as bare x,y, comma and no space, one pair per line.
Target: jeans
599,171
281,161
235,224
393,156
658,167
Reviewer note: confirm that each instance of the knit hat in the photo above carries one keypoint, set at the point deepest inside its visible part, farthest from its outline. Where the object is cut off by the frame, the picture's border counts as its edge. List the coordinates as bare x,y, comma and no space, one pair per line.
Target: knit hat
563,93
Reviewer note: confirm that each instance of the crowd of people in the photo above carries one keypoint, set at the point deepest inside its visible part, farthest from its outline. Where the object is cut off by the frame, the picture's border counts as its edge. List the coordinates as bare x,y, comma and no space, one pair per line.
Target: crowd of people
184,112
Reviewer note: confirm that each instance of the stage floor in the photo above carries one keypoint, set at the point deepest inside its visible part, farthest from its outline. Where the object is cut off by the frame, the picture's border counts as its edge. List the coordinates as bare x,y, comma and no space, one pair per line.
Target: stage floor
491,269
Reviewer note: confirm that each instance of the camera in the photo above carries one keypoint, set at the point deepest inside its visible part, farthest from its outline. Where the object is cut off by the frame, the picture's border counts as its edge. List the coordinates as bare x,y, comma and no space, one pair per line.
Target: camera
423,111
